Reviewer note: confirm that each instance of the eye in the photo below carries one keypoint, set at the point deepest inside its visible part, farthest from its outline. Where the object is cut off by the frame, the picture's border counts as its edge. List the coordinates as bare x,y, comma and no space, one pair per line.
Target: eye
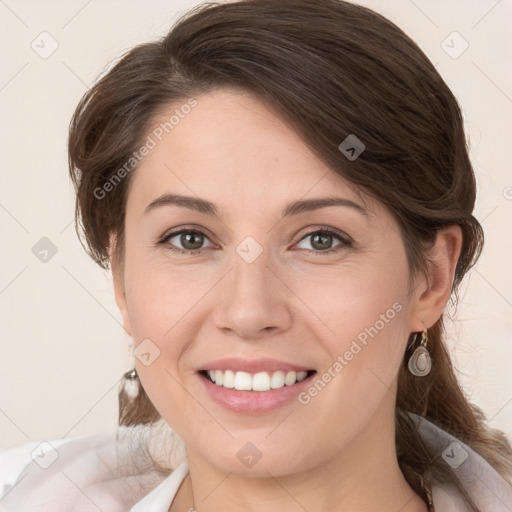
191,241
321,241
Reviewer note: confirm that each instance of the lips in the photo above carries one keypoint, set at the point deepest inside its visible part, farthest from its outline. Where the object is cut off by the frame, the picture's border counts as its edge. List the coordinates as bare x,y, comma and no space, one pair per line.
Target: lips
253,386
237,364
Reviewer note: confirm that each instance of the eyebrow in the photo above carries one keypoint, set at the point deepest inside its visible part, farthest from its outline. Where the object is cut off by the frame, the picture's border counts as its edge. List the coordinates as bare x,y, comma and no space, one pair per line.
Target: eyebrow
295,208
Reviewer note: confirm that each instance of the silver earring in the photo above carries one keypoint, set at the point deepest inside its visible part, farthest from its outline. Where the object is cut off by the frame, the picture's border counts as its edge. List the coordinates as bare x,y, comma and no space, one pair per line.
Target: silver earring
420,363
131,383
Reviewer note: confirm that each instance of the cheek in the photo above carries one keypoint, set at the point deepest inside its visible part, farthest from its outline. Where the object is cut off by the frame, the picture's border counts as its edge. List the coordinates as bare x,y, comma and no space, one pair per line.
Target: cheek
360,301
167,305
161,296
361,313
160,310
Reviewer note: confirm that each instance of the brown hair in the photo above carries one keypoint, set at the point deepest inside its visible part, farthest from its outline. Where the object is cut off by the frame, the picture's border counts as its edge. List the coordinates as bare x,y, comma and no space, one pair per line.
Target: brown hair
329,68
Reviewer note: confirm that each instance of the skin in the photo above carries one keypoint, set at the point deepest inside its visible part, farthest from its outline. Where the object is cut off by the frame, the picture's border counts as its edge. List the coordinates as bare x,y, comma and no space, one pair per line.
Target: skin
338,451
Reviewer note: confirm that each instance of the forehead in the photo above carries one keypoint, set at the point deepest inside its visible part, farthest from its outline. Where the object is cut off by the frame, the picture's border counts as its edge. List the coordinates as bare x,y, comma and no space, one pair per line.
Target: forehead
229,146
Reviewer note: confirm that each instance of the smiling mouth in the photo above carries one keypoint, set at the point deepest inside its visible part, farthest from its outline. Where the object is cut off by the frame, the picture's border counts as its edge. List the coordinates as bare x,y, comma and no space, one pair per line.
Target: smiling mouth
261,381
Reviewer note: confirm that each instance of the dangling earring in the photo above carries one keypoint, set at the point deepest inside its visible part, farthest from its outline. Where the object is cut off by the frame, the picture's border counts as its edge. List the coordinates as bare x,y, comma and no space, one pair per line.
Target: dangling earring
420,363
130,383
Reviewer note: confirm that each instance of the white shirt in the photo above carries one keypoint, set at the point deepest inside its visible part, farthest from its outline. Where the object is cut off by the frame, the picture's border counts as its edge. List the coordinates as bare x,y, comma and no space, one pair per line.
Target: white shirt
103,472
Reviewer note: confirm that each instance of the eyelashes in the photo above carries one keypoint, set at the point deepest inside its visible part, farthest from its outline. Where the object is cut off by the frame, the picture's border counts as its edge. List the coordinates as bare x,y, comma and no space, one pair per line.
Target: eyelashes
173,234
342,238
330,233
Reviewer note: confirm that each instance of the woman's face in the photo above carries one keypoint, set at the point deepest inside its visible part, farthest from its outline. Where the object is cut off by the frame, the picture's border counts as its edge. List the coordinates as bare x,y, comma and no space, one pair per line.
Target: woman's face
263,289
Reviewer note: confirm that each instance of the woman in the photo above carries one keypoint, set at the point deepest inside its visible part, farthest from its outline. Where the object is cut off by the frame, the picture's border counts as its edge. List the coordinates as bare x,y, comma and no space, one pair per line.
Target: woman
284,195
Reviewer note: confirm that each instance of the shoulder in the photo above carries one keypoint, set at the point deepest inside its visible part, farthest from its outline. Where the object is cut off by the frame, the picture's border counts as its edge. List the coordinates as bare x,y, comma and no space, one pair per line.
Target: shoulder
14,460
483,484
77,473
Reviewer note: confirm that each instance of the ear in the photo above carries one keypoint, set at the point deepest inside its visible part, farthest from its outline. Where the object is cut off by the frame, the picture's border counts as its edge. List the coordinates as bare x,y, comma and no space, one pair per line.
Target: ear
118,279
432,292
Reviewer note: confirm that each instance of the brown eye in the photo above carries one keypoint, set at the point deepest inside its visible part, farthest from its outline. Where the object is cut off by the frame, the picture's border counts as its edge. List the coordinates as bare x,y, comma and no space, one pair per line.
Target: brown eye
322,241
191,241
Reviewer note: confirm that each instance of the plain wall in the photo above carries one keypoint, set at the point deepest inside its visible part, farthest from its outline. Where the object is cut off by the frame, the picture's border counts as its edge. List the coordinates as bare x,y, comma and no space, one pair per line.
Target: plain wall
63,349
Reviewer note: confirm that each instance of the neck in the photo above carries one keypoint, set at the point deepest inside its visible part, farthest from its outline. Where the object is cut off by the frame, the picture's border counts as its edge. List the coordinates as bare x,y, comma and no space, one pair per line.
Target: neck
364,476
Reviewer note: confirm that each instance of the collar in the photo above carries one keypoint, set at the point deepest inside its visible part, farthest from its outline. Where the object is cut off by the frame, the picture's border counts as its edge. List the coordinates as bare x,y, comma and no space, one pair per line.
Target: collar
161,497
490,491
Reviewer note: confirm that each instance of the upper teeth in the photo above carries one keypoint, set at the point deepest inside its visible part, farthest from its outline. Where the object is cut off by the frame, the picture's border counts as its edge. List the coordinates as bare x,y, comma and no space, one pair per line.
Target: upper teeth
262,381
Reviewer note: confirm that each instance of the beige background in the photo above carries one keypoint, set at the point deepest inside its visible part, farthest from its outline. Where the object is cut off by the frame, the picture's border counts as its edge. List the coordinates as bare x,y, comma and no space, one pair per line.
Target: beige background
63,349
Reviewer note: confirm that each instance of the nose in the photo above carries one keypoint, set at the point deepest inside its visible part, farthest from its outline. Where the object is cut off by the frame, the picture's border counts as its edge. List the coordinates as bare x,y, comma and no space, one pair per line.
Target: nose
253,301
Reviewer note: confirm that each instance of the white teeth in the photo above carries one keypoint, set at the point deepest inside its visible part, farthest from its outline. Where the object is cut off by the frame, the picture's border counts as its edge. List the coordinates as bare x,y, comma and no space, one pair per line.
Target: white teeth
219,377
301,376
291,378
228,379
243,381
262,381
277,380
